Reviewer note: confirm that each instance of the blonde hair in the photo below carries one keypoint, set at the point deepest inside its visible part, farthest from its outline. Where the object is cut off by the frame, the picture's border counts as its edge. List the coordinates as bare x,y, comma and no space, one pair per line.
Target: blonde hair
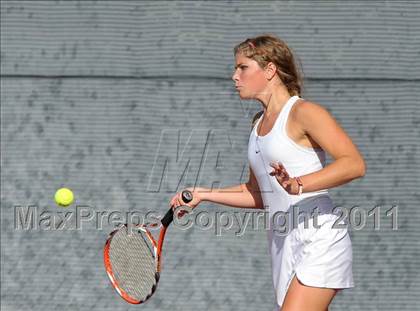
269,48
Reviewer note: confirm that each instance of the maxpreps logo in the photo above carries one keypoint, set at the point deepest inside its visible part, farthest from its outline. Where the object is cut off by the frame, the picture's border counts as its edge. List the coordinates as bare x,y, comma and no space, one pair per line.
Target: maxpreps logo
32,218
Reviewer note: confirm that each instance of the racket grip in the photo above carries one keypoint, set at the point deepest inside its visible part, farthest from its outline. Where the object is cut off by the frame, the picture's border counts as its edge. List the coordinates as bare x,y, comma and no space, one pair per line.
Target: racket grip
169,216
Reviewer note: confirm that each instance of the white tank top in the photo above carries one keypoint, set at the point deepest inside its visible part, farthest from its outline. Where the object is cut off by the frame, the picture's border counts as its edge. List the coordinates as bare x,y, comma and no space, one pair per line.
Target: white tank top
276,146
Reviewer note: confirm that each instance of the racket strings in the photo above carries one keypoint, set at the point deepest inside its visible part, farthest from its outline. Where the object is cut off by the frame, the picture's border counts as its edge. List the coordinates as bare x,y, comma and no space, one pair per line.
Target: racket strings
133,263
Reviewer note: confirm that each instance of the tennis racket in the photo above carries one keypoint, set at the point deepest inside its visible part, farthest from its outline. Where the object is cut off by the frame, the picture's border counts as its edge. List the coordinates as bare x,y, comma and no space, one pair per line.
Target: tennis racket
132,257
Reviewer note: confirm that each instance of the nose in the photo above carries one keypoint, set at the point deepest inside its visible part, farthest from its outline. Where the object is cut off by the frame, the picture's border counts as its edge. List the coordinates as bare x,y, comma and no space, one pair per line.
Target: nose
235,76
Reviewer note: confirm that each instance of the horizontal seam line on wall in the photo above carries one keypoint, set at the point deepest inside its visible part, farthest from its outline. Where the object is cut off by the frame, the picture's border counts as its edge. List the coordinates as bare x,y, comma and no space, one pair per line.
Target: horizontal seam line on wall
192,78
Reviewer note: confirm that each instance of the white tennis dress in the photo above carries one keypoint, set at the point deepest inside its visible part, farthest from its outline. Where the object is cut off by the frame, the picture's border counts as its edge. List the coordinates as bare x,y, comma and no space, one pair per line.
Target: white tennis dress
317,253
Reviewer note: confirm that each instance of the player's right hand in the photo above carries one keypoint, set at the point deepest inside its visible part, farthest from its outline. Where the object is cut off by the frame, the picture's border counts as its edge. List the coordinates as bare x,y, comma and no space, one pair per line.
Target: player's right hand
177,200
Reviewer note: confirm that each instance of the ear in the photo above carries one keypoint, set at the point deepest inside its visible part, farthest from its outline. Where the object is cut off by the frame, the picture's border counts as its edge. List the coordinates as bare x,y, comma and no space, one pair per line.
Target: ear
270,70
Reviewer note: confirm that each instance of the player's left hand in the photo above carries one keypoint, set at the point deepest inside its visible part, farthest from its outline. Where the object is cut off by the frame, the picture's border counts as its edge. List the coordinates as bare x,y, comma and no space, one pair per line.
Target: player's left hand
288,183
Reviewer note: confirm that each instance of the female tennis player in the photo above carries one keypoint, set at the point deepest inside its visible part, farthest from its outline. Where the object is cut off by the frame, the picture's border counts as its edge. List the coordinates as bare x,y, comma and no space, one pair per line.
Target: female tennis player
312,261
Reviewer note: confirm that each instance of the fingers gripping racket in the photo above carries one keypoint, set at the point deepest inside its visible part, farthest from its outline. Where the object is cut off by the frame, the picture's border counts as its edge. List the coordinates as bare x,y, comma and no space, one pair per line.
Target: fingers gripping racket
132,258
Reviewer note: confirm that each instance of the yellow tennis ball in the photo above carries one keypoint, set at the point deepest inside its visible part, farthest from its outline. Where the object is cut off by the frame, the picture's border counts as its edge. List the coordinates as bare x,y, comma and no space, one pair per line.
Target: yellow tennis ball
64,197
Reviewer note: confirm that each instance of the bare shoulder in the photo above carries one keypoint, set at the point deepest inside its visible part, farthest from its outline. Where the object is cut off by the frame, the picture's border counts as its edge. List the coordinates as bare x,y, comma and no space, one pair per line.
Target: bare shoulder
305,107
316,122
307,113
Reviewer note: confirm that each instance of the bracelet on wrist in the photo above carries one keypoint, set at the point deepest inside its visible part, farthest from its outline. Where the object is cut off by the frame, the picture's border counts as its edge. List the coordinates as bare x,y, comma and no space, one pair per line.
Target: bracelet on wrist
300,183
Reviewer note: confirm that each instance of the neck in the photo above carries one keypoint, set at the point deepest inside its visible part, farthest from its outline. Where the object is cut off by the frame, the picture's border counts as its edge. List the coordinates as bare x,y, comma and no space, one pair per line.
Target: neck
273,101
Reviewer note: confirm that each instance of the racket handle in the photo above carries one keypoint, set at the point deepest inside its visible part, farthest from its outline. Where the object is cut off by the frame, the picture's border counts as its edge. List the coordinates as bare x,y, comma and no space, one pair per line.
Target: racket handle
169,216
187,196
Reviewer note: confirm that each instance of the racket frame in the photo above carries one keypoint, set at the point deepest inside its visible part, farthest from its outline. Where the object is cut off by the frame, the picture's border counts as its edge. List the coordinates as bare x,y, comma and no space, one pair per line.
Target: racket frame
157,249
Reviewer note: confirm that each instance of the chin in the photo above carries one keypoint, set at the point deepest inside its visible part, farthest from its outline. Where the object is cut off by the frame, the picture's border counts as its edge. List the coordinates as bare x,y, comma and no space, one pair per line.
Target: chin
245,96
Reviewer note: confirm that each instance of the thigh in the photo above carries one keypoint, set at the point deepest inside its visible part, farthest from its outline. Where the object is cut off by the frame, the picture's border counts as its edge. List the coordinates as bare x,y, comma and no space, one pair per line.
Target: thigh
300,297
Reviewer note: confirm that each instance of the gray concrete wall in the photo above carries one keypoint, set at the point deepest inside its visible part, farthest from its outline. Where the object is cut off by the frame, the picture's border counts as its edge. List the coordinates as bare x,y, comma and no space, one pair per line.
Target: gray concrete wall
98,95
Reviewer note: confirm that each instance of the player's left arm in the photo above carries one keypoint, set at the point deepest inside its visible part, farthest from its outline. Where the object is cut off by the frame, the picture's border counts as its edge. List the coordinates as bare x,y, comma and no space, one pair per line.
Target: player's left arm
321,126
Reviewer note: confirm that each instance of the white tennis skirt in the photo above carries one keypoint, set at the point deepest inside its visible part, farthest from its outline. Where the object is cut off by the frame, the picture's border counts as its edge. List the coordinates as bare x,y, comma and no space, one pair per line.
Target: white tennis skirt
318,253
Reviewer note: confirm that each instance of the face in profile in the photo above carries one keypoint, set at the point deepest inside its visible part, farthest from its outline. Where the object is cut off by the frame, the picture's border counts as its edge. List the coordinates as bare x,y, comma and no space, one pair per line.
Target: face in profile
249,77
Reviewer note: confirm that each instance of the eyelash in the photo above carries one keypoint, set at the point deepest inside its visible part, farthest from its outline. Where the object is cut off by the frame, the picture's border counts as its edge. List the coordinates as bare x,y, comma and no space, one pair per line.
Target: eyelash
243,67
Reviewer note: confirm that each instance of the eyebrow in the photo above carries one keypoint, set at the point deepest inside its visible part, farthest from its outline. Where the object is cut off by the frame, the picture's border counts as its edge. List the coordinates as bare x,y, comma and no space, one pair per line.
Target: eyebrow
240,64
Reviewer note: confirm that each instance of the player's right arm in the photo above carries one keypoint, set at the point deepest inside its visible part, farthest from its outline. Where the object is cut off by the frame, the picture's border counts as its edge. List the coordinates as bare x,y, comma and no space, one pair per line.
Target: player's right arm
245,195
